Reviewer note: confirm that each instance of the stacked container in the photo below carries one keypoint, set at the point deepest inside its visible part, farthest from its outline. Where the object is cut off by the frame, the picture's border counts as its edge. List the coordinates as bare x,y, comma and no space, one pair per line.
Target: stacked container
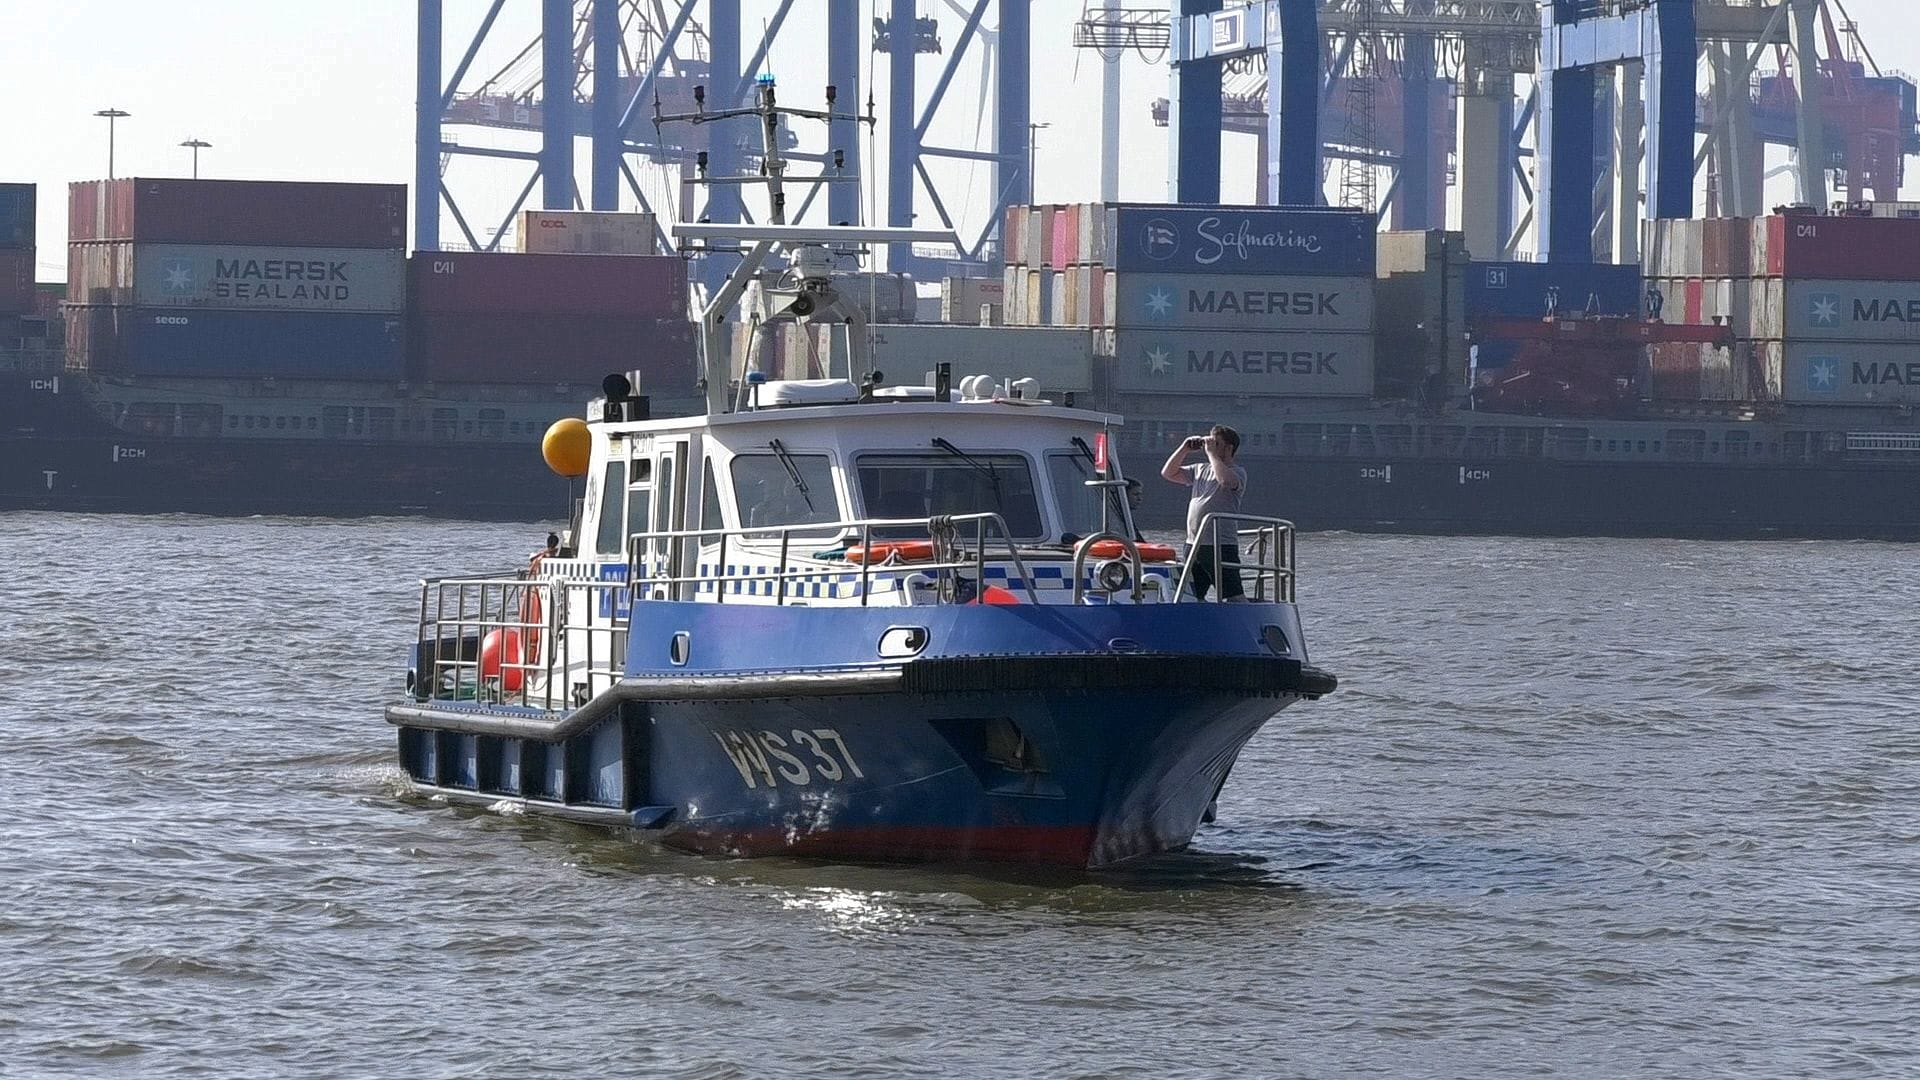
587,232
516,318
1535,290
973,301
1236,301
17,208
1421,295
1059,266
222,278
1825,310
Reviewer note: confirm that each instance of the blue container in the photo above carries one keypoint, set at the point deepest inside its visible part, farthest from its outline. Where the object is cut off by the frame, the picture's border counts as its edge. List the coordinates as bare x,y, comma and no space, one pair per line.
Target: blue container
278,344
1523,290
1244,240
17,205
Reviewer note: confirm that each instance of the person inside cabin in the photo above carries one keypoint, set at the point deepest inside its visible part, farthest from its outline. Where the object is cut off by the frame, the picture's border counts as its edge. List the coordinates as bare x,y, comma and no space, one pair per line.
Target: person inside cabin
1215,486
1136,495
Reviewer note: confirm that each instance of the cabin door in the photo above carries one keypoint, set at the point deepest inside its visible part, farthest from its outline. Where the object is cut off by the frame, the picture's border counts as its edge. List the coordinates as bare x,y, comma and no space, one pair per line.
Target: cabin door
669,556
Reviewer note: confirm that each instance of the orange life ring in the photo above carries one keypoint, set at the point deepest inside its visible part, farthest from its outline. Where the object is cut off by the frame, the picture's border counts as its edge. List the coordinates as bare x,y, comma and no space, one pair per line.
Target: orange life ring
1114,549
530,622
906,550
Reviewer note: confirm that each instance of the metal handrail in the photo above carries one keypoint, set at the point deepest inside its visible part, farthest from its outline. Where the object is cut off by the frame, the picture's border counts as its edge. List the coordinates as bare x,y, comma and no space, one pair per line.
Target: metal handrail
1268,535
483,605
941,529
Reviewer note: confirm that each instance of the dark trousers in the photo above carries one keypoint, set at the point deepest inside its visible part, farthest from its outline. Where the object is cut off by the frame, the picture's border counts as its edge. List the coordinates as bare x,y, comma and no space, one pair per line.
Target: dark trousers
1205,574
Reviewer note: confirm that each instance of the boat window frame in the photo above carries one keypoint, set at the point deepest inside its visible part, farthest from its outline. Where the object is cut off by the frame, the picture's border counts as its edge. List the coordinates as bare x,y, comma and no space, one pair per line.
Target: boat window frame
1122,524
934,454
840,503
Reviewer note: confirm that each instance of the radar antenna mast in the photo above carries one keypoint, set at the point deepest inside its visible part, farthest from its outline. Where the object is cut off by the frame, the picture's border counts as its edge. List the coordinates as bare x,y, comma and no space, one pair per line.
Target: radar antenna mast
815,300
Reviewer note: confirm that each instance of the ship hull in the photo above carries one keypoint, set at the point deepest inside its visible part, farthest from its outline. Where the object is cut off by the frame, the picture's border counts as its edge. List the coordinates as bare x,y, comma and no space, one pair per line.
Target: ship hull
1553,498
1078,780
338,478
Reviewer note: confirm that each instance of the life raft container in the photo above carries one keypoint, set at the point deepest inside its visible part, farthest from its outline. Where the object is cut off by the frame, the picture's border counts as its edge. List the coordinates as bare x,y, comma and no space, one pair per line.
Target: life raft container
1114,549
904,550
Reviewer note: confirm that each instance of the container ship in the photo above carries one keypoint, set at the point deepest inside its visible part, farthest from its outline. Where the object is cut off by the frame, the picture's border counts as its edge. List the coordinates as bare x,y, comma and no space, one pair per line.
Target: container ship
255,348
236,347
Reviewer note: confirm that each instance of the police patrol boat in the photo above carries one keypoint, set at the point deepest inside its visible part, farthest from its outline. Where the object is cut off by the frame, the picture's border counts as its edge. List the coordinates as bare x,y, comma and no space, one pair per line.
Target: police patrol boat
843,618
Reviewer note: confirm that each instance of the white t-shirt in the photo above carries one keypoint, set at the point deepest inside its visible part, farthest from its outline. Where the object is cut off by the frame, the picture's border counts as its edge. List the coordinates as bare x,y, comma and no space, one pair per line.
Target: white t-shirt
1209,496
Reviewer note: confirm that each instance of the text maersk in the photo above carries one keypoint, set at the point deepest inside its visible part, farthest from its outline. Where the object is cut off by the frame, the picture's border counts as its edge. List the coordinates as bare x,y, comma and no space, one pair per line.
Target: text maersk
1262,362
280,279
1259,302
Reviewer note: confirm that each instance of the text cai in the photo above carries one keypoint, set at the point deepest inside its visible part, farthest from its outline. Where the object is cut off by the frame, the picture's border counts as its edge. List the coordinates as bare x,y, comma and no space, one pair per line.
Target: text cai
1217,242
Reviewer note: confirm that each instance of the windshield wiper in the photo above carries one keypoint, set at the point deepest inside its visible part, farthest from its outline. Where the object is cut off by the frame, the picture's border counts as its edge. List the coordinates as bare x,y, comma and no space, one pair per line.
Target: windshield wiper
985,469
793,472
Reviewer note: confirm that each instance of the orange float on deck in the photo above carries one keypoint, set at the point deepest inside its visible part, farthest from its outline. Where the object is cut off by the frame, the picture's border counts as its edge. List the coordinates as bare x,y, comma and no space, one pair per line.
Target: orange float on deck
906,550
1114,549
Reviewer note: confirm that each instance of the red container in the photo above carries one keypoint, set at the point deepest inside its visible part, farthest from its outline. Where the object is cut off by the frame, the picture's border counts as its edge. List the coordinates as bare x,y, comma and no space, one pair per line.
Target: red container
1713,242
1843,248
247,212
1676,372
16,281
1066,236
447,283
550,349
1694,300
1012,233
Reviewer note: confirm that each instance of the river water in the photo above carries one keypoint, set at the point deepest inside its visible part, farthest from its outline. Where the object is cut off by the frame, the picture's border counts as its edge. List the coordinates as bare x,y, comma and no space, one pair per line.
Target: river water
1580,807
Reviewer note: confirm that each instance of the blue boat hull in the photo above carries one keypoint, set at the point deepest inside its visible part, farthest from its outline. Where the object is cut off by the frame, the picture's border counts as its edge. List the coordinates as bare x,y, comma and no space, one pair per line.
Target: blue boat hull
1086,780
1067,736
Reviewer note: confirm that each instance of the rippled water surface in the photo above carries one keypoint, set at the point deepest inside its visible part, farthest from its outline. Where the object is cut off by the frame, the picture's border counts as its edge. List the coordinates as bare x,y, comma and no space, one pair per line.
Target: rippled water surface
1585,808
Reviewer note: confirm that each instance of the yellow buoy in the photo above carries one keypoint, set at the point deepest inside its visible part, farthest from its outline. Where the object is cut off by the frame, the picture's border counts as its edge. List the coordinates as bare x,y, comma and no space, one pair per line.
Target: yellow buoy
567,446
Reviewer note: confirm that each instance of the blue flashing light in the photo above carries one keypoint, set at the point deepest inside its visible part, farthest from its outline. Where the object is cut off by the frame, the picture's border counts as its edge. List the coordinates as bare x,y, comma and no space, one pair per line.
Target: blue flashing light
764,80
756,377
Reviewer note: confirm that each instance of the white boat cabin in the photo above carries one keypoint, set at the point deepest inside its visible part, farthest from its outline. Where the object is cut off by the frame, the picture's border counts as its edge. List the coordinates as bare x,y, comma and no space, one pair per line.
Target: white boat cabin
819,496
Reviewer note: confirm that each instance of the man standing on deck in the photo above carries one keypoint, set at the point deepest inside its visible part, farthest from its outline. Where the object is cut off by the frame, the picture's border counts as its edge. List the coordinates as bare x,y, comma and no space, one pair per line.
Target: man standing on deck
1216,485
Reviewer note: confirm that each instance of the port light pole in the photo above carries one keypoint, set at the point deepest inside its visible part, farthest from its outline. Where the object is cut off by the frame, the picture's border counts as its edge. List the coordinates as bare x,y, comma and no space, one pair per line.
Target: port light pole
1033,142
196,145
112,115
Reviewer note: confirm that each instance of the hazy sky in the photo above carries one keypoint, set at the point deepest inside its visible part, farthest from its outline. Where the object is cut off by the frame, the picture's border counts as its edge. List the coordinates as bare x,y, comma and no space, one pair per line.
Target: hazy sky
324,90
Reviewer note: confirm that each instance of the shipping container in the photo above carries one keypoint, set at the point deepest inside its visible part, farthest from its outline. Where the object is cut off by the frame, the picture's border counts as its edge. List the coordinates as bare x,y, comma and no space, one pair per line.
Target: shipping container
18,205
1412,252
1066,236
962,298
587,232
1243,240
242,344
1842,248
1883,311
1013,281
1060,358
1889,209
448,283
241,212
1829,373
1013,231
16,281
239,278
1532,290
1236,362
1244,302
520,348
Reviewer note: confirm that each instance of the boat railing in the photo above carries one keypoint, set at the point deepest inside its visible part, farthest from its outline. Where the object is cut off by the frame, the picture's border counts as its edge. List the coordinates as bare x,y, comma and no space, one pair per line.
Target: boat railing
509,640
1264,547
951,555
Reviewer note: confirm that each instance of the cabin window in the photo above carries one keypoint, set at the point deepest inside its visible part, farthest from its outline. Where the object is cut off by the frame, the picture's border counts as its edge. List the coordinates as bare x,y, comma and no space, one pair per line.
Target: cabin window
640,499
790,489
613,486
710,516
446,423
490,422
923,485
1080,504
